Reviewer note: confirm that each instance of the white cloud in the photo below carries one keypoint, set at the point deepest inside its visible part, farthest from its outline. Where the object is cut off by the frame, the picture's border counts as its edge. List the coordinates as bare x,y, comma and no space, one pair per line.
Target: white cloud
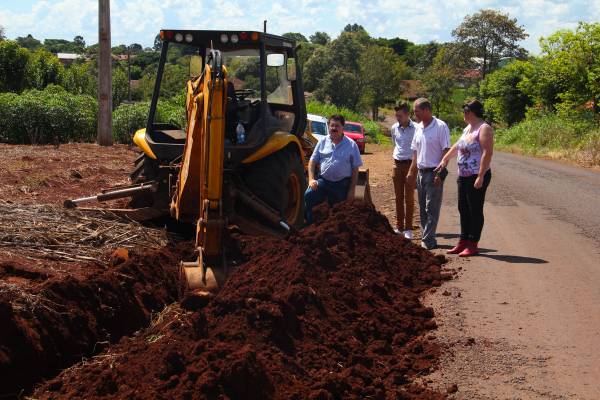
140,20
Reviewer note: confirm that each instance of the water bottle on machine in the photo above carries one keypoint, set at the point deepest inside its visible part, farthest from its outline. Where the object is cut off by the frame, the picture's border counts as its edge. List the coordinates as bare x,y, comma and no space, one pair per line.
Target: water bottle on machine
240,133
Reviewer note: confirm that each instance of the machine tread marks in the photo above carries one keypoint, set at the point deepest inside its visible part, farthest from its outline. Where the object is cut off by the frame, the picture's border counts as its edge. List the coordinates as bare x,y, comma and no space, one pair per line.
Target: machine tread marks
280,181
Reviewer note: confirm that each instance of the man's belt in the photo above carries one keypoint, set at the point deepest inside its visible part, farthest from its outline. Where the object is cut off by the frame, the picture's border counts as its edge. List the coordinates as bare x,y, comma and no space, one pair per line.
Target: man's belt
426,169
403,161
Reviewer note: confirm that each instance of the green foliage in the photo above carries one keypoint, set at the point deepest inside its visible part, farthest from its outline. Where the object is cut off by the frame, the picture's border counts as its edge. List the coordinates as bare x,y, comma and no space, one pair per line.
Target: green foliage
502,93
321,38
29,42
46,116
65,46
78,78
128,118
372,128
380,70
339,86
13,66
421,56
120,85
568,74
439,84
43,69
548,131
491,35
298,37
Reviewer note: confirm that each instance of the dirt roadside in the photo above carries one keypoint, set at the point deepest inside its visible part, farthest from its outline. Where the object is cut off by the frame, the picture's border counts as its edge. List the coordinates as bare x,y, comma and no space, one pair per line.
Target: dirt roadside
521,321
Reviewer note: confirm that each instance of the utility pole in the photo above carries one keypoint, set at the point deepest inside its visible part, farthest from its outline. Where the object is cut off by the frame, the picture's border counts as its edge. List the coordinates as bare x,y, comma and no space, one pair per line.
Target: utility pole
105,75
129,73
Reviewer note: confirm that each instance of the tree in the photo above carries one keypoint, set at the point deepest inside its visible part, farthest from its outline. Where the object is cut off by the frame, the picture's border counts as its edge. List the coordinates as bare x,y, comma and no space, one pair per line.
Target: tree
298,37
340,87
439,84
2,37
315,68
79,78
120,85
380,71
29,42
135,48
79,44
491,35
354,28
157,43
321,38
503,95
13,66
43,69
421,56
400,46
59,46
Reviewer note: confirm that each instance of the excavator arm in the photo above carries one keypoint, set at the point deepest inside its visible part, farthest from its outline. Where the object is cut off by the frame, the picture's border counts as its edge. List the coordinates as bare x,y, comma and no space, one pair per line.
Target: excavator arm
199,189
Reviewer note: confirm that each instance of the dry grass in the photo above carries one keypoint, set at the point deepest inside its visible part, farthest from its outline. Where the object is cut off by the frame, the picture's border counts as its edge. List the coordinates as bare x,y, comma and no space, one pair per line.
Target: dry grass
50,232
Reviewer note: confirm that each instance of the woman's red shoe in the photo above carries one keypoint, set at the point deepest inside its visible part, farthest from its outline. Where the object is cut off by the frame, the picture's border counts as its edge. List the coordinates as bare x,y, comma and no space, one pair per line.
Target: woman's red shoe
462,244
471,250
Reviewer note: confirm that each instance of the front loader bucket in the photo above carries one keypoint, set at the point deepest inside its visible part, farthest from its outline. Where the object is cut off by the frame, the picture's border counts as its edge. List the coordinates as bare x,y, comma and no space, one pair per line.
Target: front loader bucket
362,192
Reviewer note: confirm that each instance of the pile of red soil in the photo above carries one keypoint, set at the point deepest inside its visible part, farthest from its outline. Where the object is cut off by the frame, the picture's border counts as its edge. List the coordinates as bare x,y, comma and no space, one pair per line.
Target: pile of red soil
333,313
51,320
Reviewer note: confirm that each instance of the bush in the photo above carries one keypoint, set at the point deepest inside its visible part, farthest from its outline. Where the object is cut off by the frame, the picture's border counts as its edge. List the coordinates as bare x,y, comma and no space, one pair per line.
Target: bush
128,118
38,117
541,132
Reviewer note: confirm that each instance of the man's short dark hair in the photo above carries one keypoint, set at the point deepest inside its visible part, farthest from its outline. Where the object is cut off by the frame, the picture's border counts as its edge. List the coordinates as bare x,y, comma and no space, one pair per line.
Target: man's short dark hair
403,106
423,103
338,118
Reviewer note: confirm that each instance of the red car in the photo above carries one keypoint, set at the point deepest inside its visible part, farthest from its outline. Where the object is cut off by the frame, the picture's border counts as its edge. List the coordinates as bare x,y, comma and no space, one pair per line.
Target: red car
356,132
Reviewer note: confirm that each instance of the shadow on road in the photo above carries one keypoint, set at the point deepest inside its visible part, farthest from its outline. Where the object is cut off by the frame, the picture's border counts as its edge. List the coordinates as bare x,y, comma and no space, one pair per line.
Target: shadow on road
448,235
514,259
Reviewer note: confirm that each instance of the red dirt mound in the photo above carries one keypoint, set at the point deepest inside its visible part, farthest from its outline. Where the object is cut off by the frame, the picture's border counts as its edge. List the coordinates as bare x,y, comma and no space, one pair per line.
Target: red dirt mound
333,313
51,320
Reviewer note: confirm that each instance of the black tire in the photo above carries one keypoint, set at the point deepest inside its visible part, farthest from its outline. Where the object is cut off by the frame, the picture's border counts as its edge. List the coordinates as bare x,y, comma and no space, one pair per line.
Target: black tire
146,169
279,180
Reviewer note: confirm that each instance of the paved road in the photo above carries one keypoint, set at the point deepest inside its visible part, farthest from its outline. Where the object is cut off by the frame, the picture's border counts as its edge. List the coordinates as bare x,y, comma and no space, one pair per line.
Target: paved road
531,302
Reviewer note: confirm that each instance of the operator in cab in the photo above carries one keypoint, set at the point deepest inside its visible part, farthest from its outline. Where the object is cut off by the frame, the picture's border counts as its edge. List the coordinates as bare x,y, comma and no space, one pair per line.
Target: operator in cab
337,158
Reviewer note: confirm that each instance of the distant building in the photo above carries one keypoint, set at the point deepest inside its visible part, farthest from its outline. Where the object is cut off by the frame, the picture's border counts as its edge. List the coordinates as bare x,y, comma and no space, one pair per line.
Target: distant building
68,58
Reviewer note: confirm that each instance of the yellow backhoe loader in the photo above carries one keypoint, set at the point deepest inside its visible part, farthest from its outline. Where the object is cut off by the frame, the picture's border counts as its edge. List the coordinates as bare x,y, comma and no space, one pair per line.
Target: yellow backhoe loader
242,156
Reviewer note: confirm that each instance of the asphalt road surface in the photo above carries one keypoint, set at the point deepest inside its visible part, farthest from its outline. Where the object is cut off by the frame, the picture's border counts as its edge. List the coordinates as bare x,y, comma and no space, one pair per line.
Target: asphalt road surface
522,320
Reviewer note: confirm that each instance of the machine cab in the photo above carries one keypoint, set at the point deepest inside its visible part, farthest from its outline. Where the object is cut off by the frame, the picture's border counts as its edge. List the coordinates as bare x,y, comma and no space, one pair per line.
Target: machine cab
264,93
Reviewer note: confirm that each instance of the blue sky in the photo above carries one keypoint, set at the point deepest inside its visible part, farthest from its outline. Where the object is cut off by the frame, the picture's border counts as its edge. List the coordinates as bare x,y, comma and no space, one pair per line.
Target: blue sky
419,21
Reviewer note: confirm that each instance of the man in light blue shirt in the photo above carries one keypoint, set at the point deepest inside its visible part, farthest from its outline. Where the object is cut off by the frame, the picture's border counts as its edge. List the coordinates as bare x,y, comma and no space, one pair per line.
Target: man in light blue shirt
338,159
402,134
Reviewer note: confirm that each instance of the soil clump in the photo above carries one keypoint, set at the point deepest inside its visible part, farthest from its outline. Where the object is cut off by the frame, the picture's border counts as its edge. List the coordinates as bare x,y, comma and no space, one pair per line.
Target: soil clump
332,313
52,318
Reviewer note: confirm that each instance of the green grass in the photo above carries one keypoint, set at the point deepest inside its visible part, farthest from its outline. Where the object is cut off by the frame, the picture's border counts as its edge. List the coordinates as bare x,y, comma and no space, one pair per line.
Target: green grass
576,139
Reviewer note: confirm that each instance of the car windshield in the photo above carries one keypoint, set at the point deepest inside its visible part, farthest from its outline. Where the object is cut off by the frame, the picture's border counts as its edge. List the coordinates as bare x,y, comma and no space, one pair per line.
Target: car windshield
320,128
352,128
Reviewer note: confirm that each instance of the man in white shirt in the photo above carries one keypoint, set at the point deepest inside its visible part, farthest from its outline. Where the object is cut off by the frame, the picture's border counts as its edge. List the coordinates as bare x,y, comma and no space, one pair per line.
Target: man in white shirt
429,145
402,134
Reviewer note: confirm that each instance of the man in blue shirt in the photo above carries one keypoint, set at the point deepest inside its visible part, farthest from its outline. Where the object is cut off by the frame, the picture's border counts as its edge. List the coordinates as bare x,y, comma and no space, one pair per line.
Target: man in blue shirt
338,159
402,134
